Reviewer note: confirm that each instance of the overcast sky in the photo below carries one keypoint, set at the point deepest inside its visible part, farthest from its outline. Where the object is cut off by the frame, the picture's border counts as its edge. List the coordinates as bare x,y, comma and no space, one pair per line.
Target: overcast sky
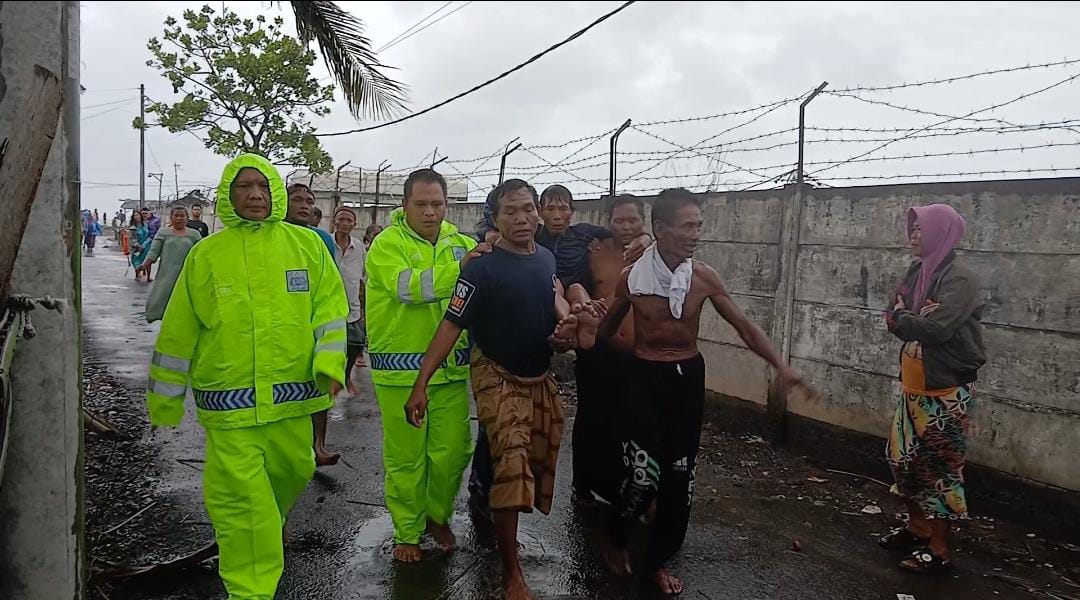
654,61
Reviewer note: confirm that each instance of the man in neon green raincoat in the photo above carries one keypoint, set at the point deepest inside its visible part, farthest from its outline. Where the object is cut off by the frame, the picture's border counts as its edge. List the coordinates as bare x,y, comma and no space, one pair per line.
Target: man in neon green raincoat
256,328
412,269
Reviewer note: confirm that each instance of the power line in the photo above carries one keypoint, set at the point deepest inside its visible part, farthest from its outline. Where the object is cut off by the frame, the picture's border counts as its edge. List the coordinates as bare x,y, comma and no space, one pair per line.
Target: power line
974,112
392,44
1059,63
499,77
107,103
105,112
413,26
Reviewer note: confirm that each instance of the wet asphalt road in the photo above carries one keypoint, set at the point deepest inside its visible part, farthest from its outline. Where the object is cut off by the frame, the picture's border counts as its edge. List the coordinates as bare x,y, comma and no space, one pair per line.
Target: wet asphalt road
738,546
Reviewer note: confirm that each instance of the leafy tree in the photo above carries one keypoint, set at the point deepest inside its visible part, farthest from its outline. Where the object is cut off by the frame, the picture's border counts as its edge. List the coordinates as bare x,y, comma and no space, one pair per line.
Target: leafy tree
247,87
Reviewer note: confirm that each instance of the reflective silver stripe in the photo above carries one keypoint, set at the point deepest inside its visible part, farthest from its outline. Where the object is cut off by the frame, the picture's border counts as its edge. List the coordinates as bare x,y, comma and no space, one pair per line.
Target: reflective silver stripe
330,347
427,285
321,330
172,363
403,292
170,390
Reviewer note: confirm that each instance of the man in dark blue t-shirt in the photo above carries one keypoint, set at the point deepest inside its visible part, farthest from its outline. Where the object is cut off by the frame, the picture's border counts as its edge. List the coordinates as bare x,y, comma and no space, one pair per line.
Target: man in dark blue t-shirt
512,304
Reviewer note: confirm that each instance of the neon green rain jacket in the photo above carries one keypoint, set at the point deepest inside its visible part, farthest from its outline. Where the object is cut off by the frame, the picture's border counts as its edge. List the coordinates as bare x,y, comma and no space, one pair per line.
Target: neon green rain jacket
256,322
409,285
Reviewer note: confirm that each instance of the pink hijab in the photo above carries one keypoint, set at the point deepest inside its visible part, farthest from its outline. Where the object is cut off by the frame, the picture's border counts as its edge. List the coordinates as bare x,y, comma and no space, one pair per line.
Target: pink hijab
941,228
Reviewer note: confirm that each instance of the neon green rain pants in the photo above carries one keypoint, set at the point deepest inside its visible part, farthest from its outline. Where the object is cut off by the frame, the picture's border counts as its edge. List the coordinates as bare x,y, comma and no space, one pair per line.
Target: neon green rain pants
424,466
253,477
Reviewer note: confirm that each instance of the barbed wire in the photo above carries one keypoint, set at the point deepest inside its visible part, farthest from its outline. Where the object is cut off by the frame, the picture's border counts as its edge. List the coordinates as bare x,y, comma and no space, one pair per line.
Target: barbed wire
1060,63
713,137
574,175
974,112
1019,127
710,158
719,115
930,113
572,154
954,174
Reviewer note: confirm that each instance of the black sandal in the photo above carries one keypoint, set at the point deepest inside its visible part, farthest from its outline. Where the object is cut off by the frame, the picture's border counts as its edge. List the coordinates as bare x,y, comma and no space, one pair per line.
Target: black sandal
901,538
924,561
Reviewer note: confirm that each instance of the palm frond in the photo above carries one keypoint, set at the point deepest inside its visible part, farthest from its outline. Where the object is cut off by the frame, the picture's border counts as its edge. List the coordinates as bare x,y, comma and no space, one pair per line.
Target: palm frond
352,62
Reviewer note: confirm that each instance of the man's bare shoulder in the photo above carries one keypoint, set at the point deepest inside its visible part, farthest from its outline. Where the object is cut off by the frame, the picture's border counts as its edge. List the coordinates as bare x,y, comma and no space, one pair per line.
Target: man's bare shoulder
707,277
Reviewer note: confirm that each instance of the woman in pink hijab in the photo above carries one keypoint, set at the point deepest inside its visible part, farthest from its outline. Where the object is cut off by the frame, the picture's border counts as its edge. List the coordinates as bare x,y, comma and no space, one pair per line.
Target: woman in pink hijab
936,313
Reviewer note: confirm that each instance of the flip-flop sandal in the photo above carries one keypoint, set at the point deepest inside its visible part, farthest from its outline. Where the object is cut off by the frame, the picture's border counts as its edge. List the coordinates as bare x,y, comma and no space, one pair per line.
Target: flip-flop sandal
924,561
901,538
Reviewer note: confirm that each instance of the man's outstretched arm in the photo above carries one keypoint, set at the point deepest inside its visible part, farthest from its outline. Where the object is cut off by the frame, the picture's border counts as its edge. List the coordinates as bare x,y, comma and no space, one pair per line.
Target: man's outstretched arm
750,333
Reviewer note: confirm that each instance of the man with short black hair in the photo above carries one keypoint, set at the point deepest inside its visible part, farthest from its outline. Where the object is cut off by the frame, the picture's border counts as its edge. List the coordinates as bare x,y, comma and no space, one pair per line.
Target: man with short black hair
412,269
196,222
512,289
301,210
316,217
665,389
301,204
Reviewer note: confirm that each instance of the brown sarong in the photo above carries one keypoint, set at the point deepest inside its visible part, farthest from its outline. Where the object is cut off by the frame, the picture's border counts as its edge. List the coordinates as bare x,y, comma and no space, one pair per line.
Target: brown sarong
523,418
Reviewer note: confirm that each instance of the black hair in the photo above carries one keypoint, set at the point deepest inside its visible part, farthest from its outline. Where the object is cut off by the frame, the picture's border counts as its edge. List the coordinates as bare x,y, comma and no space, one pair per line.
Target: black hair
424,176
317,212
669,202
557,193
505,189
624,199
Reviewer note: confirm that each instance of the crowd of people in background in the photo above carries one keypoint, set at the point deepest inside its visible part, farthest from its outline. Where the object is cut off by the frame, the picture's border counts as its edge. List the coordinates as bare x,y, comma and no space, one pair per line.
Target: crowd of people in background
442,313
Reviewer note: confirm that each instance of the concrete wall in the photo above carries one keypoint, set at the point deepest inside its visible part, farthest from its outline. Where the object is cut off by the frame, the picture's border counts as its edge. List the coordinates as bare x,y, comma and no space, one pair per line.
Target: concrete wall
1023,240
41,494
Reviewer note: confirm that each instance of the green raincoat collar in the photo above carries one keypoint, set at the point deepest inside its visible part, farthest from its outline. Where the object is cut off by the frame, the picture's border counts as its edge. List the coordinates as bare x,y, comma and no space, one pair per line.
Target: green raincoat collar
397,217
279,198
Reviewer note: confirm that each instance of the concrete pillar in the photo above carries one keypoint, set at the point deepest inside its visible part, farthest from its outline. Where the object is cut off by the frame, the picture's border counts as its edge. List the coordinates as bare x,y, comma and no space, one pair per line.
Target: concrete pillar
41,496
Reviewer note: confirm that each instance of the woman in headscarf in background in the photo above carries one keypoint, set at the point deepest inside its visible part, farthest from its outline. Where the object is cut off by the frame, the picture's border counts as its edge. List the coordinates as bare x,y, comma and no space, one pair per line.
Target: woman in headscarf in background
936,315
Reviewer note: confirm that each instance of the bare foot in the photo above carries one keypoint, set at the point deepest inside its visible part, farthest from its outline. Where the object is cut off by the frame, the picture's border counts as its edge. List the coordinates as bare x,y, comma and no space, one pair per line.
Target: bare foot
514,588
408,553
588,321
444,537
567,329
668,583
325,458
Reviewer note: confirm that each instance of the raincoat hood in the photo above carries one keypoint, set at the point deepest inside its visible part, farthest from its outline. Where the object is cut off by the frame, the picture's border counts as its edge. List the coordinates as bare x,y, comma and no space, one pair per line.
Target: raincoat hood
279,198
397,217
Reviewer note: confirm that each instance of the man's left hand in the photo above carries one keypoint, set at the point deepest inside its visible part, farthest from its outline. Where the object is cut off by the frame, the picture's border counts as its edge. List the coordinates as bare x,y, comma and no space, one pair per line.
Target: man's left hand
637,247
483,248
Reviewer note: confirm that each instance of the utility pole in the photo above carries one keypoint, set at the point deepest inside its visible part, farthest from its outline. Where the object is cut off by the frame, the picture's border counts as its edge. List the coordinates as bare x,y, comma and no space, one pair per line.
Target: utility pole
142,145
378,179
160,177
176,179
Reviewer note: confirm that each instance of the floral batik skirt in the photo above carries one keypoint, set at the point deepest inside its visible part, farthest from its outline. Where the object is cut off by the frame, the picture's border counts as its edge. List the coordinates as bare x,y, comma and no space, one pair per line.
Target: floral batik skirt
926,451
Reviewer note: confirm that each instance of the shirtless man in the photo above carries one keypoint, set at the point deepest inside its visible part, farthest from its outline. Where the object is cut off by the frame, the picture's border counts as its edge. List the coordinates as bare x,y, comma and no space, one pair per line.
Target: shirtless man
665,391
597,455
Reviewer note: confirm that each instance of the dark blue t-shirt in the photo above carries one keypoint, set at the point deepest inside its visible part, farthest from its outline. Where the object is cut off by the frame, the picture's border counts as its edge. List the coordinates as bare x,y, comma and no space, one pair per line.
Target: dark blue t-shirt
507,302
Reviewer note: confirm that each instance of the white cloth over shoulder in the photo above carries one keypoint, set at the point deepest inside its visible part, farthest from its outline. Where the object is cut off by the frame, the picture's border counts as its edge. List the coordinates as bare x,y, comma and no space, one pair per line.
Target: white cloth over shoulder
650,276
